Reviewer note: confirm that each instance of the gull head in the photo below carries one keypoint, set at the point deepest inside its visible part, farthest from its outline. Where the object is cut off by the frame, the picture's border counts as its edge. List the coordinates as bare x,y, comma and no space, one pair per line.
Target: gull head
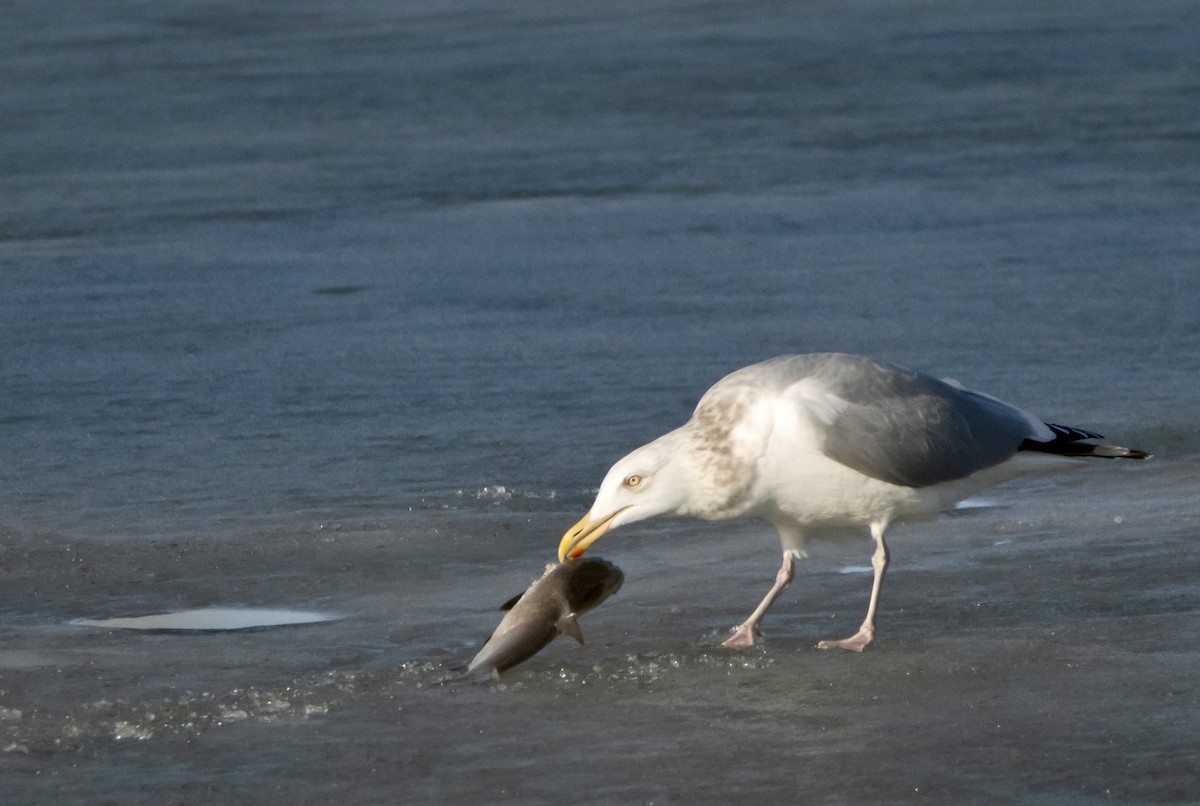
653,480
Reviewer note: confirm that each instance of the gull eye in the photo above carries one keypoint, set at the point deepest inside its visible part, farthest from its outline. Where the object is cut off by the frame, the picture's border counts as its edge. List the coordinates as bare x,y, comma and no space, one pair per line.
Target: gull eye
633,481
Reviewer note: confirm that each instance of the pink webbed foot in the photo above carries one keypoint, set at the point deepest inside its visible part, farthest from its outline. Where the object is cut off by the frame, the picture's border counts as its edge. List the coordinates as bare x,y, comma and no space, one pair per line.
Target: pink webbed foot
743,637
855,643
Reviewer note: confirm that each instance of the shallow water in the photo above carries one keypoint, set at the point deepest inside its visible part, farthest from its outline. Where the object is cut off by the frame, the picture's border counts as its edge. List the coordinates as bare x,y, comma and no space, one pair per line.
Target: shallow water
348,310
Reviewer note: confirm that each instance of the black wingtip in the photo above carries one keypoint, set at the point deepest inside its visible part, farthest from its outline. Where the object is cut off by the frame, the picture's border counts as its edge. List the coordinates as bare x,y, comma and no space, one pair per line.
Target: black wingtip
1070,441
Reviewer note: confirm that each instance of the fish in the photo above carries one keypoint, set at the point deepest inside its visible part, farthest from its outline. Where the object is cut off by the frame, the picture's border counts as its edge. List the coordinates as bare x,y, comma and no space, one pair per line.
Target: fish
550,607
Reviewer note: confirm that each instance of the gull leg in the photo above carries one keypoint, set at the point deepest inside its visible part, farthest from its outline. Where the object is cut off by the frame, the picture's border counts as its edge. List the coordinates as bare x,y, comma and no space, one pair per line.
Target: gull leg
743,637
866,633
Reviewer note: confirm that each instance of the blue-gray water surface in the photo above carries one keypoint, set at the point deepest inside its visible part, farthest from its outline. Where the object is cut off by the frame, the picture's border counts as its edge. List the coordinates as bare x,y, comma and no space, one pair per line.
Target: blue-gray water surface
348,307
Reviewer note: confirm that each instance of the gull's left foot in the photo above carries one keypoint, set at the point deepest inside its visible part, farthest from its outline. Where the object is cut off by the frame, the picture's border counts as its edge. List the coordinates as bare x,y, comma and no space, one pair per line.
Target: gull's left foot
855,643
743,637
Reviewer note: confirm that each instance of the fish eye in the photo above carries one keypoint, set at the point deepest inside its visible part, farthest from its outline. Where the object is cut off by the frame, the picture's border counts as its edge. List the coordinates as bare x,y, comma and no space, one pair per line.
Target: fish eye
633,480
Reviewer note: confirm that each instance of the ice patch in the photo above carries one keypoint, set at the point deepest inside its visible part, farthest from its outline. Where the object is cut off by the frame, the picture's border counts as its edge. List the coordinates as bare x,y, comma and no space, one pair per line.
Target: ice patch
211,618
976,503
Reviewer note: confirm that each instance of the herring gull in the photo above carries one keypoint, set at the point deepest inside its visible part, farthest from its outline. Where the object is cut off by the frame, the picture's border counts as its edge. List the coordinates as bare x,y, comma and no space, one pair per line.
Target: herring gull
822,443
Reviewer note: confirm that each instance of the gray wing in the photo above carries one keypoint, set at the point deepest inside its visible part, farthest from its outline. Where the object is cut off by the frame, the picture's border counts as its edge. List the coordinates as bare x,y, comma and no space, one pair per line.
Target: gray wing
907,428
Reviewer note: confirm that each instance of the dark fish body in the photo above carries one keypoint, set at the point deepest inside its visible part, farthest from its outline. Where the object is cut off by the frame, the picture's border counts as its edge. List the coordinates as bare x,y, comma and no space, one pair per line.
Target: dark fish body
550,607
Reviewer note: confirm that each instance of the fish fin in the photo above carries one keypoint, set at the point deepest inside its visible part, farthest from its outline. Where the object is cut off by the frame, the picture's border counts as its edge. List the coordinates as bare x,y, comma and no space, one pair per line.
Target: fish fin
511,603
569,625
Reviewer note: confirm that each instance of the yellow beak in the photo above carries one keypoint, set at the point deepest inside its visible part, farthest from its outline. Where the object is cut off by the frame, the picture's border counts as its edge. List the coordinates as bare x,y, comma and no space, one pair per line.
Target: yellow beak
583,534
